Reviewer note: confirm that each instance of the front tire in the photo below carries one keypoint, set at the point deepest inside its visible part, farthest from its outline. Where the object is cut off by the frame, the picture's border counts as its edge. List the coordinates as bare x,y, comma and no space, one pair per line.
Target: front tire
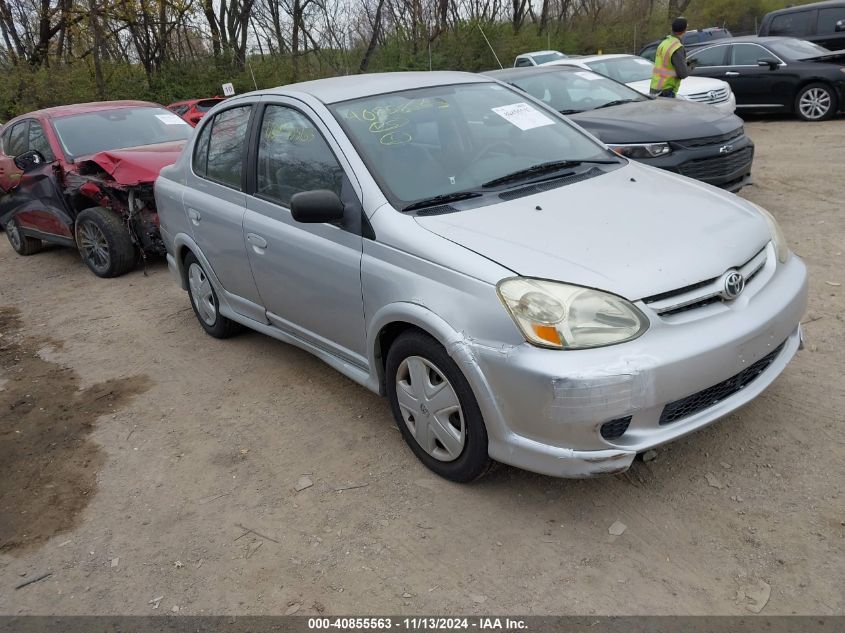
435,408
816,102
104,243
22,244
204,301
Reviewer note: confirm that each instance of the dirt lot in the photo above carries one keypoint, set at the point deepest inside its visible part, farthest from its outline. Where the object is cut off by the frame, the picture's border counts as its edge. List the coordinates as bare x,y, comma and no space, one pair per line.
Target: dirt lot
145,464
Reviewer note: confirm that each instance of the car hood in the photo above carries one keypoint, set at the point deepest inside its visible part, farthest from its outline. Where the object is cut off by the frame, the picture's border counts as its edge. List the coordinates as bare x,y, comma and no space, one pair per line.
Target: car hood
636,231
134,165
832,56
656,120
690,85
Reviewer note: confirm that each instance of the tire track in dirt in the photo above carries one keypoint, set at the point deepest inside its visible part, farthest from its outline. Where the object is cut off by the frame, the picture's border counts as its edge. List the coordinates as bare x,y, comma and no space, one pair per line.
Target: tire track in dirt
48,462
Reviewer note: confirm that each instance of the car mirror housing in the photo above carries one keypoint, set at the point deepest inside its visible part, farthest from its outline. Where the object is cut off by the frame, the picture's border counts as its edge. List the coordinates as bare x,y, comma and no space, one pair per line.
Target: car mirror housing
771,63
317,206
29,160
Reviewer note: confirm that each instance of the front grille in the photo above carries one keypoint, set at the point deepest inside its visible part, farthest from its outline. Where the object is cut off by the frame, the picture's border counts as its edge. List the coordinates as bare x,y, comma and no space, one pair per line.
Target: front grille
704,141
703,293
706,398
548,185
720,95
718,166
615,428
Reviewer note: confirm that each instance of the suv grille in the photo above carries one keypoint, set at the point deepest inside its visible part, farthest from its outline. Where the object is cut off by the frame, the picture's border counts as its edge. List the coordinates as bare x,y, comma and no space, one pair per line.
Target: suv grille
718,166
706,398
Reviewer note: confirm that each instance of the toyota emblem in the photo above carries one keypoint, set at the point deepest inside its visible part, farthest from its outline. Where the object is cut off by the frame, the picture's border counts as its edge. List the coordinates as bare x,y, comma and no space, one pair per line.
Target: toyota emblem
733,283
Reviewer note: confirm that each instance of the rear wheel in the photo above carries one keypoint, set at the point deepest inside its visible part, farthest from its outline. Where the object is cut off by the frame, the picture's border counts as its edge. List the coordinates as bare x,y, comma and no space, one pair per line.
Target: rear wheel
23,244
104,243
435,408
204,301
816,102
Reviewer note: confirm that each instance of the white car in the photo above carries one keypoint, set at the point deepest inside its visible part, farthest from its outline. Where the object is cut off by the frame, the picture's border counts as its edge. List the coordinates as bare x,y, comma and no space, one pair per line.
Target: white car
537,58
636,73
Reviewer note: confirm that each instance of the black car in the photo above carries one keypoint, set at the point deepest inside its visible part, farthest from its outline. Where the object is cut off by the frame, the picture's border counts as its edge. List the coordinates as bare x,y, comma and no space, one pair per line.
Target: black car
777,74
692,39
822,23
691,139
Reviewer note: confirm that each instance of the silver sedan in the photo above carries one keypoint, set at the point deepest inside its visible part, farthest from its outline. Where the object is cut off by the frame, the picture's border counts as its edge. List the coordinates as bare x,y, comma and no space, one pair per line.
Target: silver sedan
519,293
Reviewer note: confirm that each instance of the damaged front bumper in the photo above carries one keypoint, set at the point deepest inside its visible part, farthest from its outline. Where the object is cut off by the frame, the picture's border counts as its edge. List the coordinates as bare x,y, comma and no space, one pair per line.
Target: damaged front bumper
546,410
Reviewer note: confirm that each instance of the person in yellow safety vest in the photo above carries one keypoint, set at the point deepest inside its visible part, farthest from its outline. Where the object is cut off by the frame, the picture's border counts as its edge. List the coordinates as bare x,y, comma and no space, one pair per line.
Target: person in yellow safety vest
670,62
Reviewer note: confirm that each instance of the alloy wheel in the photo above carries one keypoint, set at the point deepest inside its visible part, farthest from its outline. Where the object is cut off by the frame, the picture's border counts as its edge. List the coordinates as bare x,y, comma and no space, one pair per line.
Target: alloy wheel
202,294
430,408
815,103
14,235
94,246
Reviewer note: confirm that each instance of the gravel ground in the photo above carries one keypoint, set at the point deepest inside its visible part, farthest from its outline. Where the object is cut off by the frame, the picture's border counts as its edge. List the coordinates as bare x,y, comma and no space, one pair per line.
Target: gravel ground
152,469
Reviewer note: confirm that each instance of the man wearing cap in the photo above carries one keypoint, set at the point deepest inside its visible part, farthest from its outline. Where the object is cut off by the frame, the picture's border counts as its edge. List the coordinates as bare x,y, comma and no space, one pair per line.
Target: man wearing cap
670,62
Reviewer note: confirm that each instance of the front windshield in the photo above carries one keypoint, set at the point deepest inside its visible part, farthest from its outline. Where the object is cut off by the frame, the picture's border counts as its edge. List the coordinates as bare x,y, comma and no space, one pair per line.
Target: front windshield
797,49
571,92
448,139
624,69
548,57
93,132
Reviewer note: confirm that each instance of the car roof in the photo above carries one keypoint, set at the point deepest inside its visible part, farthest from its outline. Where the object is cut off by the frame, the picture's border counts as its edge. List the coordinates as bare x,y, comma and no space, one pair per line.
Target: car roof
85,108
591,58
197,100
510,73
805,7
749,38
538,53
337,89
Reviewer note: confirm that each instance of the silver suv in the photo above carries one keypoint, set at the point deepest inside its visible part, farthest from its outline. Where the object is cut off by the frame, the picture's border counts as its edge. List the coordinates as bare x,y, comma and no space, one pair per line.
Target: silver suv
519,292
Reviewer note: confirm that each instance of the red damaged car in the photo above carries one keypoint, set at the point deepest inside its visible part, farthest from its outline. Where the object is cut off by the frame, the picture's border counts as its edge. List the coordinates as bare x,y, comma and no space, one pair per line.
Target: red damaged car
82,176
193,110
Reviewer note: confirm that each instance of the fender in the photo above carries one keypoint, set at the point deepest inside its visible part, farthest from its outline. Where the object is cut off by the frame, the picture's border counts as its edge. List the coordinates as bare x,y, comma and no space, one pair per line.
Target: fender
461,348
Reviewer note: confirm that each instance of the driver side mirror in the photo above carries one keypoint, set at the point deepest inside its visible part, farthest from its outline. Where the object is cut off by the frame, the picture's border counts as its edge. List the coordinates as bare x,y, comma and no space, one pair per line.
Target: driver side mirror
29,160
840,26
771,63
316,207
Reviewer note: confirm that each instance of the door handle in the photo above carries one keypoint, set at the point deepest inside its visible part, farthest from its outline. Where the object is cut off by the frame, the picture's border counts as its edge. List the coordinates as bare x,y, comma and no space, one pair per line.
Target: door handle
731,73
194,215
256,240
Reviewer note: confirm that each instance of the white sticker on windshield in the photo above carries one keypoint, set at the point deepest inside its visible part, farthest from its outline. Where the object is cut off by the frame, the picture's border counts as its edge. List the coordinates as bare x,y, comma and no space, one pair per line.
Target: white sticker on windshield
170,119
523,116
587,75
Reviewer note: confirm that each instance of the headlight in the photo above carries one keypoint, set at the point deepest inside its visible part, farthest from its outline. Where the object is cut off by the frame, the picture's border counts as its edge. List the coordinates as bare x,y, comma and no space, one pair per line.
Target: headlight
642,150
778,238
562,316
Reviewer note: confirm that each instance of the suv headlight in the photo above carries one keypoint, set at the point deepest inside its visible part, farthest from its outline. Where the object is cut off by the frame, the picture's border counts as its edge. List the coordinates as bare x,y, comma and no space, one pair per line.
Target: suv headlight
562,316
778,238
641,150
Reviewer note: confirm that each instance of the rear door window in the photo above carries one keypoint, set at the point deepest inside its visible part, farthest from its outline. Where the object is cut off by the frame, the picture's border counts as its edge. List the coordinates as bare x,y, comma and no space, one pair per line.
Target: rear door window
224,159
795,24
828,18
713,56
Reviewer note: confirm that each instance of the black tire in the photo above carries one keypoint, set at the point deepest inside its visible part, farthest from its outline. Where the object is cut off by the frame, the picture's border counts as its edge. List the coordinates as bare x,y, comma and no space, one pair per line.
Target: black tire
823,94
220,327
104,243
473,461
22,244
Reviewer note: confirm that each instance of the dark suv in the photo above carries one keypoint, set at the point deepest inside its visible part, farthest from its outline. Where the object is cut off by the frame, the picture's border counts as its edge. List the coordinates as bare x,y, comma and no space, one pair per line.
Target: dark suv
692,39
822,23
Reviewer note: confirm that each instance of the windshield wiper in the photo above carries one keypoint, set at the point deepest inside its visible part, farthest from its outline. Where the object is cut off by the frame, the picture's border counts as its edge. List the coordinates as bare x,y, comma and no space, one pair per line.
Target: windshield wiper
610,104
570,111
543,168
441,199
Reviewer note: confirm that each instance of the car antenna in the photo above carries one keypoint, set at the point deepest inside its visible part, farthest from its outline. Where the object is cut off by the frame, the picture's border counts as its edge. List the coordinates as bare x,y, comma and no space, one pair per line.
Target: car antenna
491,48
